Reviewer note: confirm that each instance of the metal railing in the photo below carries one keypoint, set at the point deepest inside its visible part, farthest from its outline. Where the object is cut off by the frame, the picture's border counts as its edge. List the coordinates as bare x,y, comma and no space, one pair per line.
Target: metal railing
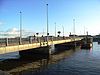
16,41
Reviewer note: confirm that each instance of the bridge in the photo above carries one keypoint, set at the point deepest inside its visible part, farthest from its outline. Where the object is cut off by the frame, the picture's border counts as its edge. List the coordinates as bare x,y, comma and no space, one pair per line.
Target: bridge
11,46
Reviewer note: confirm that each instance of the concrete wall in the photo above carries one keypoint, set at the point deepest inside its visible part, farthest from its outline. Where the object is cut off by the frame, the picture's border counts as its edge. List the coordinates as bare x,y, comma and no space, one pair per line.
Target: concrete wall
67,45
32,53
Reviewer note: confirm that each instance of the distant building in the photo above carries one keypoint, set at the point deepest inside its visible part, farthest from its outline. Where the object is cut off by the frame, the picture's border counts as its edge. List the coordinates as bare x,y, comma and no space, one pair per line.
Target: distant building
85,35
72,35
96,38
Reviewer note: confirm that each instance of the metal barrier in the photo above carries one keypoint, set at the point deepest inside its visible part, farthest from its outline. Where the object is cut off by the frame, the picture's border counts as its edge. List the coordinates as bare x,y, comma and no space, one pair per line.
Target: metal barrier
15,41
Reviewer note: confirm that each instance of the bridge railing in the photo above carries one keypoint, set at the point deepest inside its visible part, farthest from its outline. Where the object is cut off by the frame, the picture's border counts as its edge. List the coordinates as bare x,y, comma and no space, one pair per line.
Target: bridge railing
29,40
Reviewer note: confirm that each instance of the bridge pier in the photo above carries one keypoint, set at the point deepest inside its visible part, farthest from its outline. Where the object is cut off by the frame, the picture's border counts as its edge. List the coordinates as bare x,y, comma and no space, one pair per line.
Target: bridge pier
35,53
64,46
67,46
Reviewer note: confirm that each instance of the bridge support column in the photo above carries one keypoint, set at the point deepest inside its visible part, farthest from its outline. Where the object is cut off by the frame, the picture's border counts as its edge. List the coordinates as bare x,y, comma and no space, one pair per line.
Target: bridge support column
35,53
67,46
64,46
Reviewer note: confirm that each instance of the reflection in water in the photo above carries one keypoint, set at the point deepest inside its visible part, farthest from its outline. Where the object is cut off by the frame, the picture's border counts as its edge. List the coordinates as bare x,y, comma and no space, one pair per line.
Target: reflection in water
13,55
38,63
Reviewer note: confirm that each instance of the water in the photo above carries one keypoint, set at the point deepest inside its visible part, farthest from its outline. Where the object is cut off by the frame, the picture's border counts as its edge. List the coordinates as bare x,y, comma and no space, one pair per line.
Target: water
13,55
79,62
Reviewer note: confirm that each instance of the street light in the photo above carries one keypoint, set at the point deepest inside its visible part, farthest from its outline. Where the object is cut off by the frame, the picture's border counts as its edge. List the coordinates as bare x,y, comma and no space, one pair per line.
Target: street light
84,30
20,27
55,29
63,30
74,31
74,26
47,24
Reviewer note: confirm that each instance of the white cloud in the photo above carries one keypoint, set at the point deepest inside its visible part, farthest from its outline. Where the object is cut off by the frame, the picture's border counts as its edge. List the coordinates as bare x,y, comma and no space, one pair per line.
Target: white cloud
15,32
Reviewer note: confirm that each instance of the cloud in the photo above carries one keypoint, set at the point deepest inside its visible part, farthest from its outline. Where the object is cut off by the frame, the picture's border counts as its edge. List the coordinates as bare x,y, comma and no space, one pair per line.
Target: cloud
14,32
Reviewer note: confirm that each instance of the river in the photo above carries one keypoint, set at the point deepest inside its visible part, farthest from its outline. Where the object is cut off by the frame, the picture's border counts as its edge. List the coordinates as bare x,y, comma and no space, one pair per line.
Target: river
68,62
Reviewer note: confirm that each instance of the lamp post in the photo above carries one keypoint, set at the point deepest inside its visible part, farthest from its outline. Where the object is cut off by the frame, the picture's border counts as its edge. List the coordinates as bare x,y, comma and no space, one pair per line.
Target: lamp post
55,29
47,24
74,32
74,26
20,42
63,30
84,30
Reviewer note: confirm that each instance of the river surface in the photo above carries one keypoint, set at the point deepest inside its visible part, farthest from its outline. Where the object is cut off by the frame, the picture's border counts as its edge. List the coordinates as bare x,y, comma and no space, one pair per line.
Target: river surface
70,62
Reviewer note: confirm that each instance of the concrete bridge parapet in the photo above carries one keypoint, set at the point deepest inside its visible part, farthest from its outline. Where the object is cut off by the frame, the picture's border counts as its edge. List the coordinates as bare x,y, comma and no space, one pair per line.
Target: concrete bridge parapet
41,47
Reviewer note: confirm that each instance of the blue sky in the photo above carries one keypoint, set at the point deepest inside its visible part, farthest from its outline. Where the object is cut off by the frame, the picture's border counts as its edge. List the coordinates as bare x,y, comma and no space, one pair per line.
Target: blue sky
85,12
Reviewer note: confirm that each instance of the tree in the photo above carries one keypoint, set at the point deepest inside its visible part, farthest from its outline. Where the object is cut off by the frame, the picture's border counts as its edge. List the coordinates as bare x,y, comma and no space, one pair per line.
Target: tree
34,36
59,32
37,34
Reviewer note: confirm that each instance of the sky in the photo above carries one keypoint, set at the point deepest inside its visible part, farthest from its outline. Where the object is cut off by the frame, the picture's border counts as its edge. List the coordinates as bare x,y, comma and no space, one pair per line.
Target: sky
62,12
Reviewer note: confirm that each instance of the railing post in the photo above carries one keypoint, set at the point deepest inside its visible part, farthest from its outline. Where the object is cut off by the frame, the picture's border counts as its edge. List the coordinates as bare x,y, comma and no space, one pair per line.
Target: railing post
52,39
40,42
20,41
30,39
6,41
